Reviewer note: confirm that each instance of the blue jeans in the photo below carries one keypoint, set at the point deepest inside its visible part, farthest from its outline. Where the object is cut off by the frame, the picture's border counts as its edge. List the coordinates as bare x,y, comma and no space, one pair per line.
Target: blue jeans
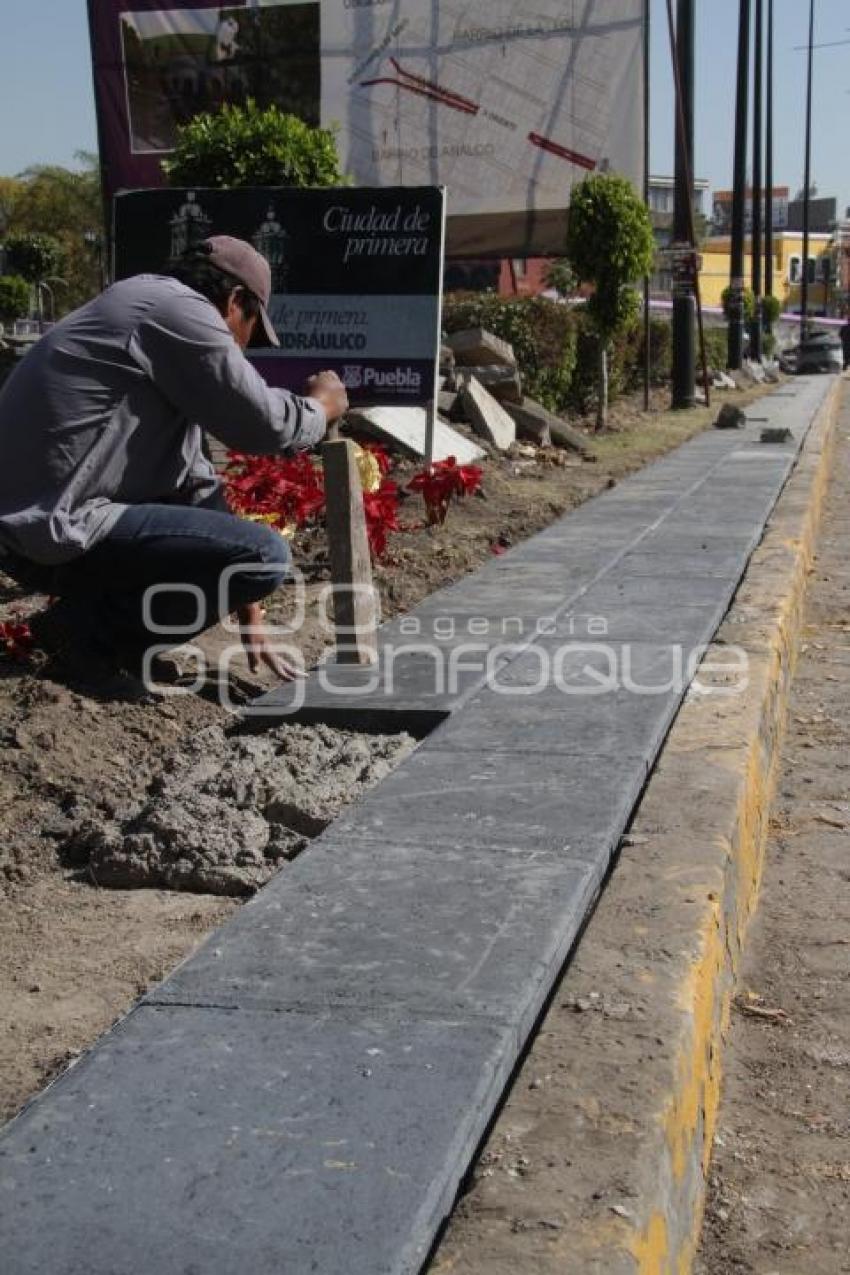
185,546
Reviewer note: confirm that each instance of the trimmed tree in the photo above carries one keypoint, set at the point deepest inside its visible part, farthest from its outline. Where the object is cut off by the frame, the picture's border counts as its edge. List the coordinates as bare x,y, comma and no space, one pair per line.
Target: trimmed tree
610,246
14,297
749,302
252,146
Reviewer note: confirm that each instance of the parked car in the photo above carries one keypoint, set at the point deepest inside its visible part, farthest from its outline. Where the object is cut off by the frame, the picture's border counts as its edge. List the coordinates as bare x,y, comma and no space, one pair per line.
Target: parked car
820,352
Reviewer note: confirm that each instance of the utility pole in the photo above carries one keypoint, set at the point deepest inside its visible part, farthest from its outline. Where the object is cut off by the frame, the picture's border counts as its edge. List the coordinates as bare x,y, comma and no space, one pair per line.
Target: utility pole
758,55
807,181
768,177
684,305
739,193
647,313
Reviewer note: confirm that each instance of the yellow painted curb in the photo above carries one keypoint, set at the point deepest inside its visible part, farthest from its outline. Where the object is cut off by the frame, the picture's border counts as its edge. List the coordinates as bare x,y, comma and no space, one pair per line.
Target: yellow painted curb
734,745
614,1110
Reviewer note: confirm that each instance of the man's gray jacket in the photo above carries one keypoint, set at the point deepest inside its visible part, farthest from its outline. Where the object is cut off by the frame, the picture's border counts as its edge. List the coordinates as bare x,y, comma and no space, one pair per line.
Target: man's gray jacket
108,410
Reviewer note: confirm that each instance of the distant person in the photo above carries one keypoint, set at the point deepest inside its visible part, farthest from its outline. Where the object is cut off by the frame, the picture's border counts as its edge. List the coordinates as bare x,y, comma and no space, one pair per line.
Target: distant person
845,340
105,485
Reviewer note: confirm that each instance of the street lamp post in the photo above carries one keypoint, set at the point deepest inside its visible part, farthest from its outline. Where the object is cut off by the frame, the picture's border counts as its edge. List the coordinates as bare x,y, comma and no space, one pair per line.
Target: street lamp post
807,181
768,177
758,53
739,194
684,308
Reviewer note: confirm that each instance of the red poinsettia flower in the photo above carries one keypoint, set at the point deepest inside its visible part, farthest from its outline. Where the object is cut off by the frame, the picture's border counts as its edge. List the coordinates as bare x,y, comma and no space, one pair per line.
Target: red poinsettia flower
381,509
16,640
443,480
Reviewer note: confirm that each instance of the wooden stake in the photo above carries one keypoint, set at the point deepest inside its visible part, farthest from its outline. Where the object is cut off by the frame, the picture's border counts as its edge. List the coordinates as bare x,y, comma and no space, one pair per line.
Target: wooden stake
351,564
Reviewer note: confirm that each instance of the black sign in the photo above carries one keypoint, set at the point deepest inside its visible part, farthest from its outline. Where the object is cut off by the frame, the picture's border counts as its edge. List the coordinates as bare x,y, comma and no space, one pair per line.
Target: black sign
356,275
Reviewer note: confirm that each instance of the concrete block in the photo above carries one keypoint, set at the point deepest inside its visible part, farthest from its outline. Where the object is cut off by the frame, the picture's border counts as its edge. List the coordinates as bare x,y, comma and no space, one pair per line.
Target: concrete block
730,417
567,696
432,930
405,427
777,434
499,798
214,1141
412,687
534,422
446,402
500,381
475,347
488,418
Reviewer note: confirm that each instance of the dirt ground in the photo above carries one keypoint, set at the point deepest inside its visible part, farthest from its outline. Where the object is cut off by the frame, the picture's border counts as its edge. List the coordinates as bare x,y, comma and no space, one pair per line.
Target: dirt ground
73,955
779,1193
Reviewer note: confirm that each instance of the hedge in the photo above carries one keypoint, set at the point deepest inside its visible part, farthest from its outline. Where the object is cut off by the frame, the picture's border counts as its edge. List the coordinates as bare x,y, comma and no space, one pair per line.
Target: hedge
556,349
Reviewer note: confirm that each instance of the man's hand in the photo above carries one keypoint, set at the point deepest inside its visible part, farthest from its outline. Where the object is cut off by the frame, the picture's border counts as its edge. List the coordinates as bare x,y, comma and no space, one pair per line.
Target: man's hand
329,390
256,642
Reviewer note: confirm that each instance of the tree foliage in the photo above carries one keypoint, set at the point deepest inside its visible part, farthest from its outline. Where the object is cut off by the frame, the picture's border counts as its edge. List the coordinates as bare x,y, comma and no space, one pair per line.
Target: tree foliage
33,256
610,246
749,298
561,276
251,146
65,204
14,297
771,308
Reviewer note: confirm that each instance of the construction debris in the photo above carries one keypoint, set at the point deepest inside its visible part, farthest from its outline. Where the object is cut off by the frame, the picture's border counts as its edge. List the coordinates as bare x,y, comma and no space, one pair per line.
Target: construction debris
475,347
730,417
502,382
406,426
777,434
487,417
538,425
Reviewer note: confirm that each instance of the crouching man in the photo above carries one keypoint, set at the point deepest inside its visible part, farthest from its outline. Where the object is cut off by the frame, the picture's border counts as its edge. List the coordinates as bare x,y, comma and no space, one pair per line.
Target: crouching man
105,485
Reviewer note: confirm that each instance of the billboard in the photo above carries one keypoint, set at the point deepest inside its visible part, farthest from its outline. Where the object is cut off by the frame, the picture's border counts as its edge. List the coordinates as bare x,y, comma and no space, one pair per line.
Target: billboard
507,103
356,275
722,209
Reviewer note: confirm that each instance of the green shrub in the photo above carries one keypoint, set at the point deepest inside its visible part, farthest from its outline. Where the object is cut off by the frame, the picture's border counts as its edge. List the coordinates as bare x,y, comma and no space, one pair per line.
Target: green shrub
33,256
251,146
749,304
716,349
14,297
556,347
542,333
771,309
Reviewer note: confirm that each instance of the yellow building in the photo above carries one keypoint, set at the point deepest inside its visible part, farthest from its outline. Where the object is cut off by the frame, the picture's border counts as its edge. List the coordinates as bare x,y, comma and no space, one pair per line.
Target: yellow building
787,269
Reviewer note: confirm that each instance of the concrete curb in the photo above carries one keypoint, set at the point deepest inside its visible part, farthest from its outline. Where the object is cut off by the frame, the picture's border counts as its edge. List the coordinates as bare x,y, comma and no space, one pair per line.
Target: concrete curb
636,1102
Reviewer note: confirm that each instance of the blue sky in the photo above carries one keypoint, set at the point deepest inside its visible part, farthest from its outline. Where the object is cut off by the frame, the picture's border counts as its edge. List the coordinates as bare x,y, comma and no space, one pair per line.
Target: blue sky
49,113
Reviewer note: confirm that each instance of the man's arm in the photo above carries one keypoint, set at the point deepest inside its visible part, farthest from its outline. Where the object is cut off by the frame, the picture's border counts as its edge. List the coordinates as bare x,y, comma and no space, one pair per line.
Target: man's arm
187,351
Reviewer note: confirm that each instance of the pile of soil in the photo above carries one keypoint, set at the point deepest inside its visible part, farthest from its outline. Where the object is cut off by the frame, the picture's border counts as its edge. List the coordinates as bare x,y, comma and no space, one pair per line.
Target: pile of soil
227,810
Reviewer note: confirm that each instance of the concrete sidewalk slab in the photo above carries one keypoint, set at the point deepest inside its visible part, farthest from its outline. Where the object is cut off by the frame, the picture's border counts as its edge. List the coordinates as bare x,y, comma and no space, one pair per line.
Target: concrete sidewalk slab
262,1140
484,926
220,1142
499,798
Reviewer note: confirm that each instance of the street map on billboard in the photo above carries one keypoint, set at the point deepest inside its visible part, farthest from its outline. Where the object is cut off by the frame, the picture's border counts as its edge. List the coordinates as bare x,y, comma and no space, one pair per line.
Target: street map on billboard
506,103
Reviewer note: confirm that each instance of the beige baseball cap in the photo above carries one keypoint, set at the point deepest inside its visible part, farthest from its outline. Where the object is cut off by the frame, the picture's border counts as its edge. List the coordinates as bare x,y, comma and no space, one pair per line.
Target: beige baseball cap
240,259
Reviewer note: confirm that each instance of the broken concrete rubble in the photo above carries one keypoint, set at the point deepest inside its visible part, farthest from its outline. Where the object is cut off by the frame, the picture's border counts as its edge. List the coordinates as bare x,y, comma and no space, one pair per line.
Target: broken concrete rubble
535,423
502,382
730,417
406,427
475,347
487,417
